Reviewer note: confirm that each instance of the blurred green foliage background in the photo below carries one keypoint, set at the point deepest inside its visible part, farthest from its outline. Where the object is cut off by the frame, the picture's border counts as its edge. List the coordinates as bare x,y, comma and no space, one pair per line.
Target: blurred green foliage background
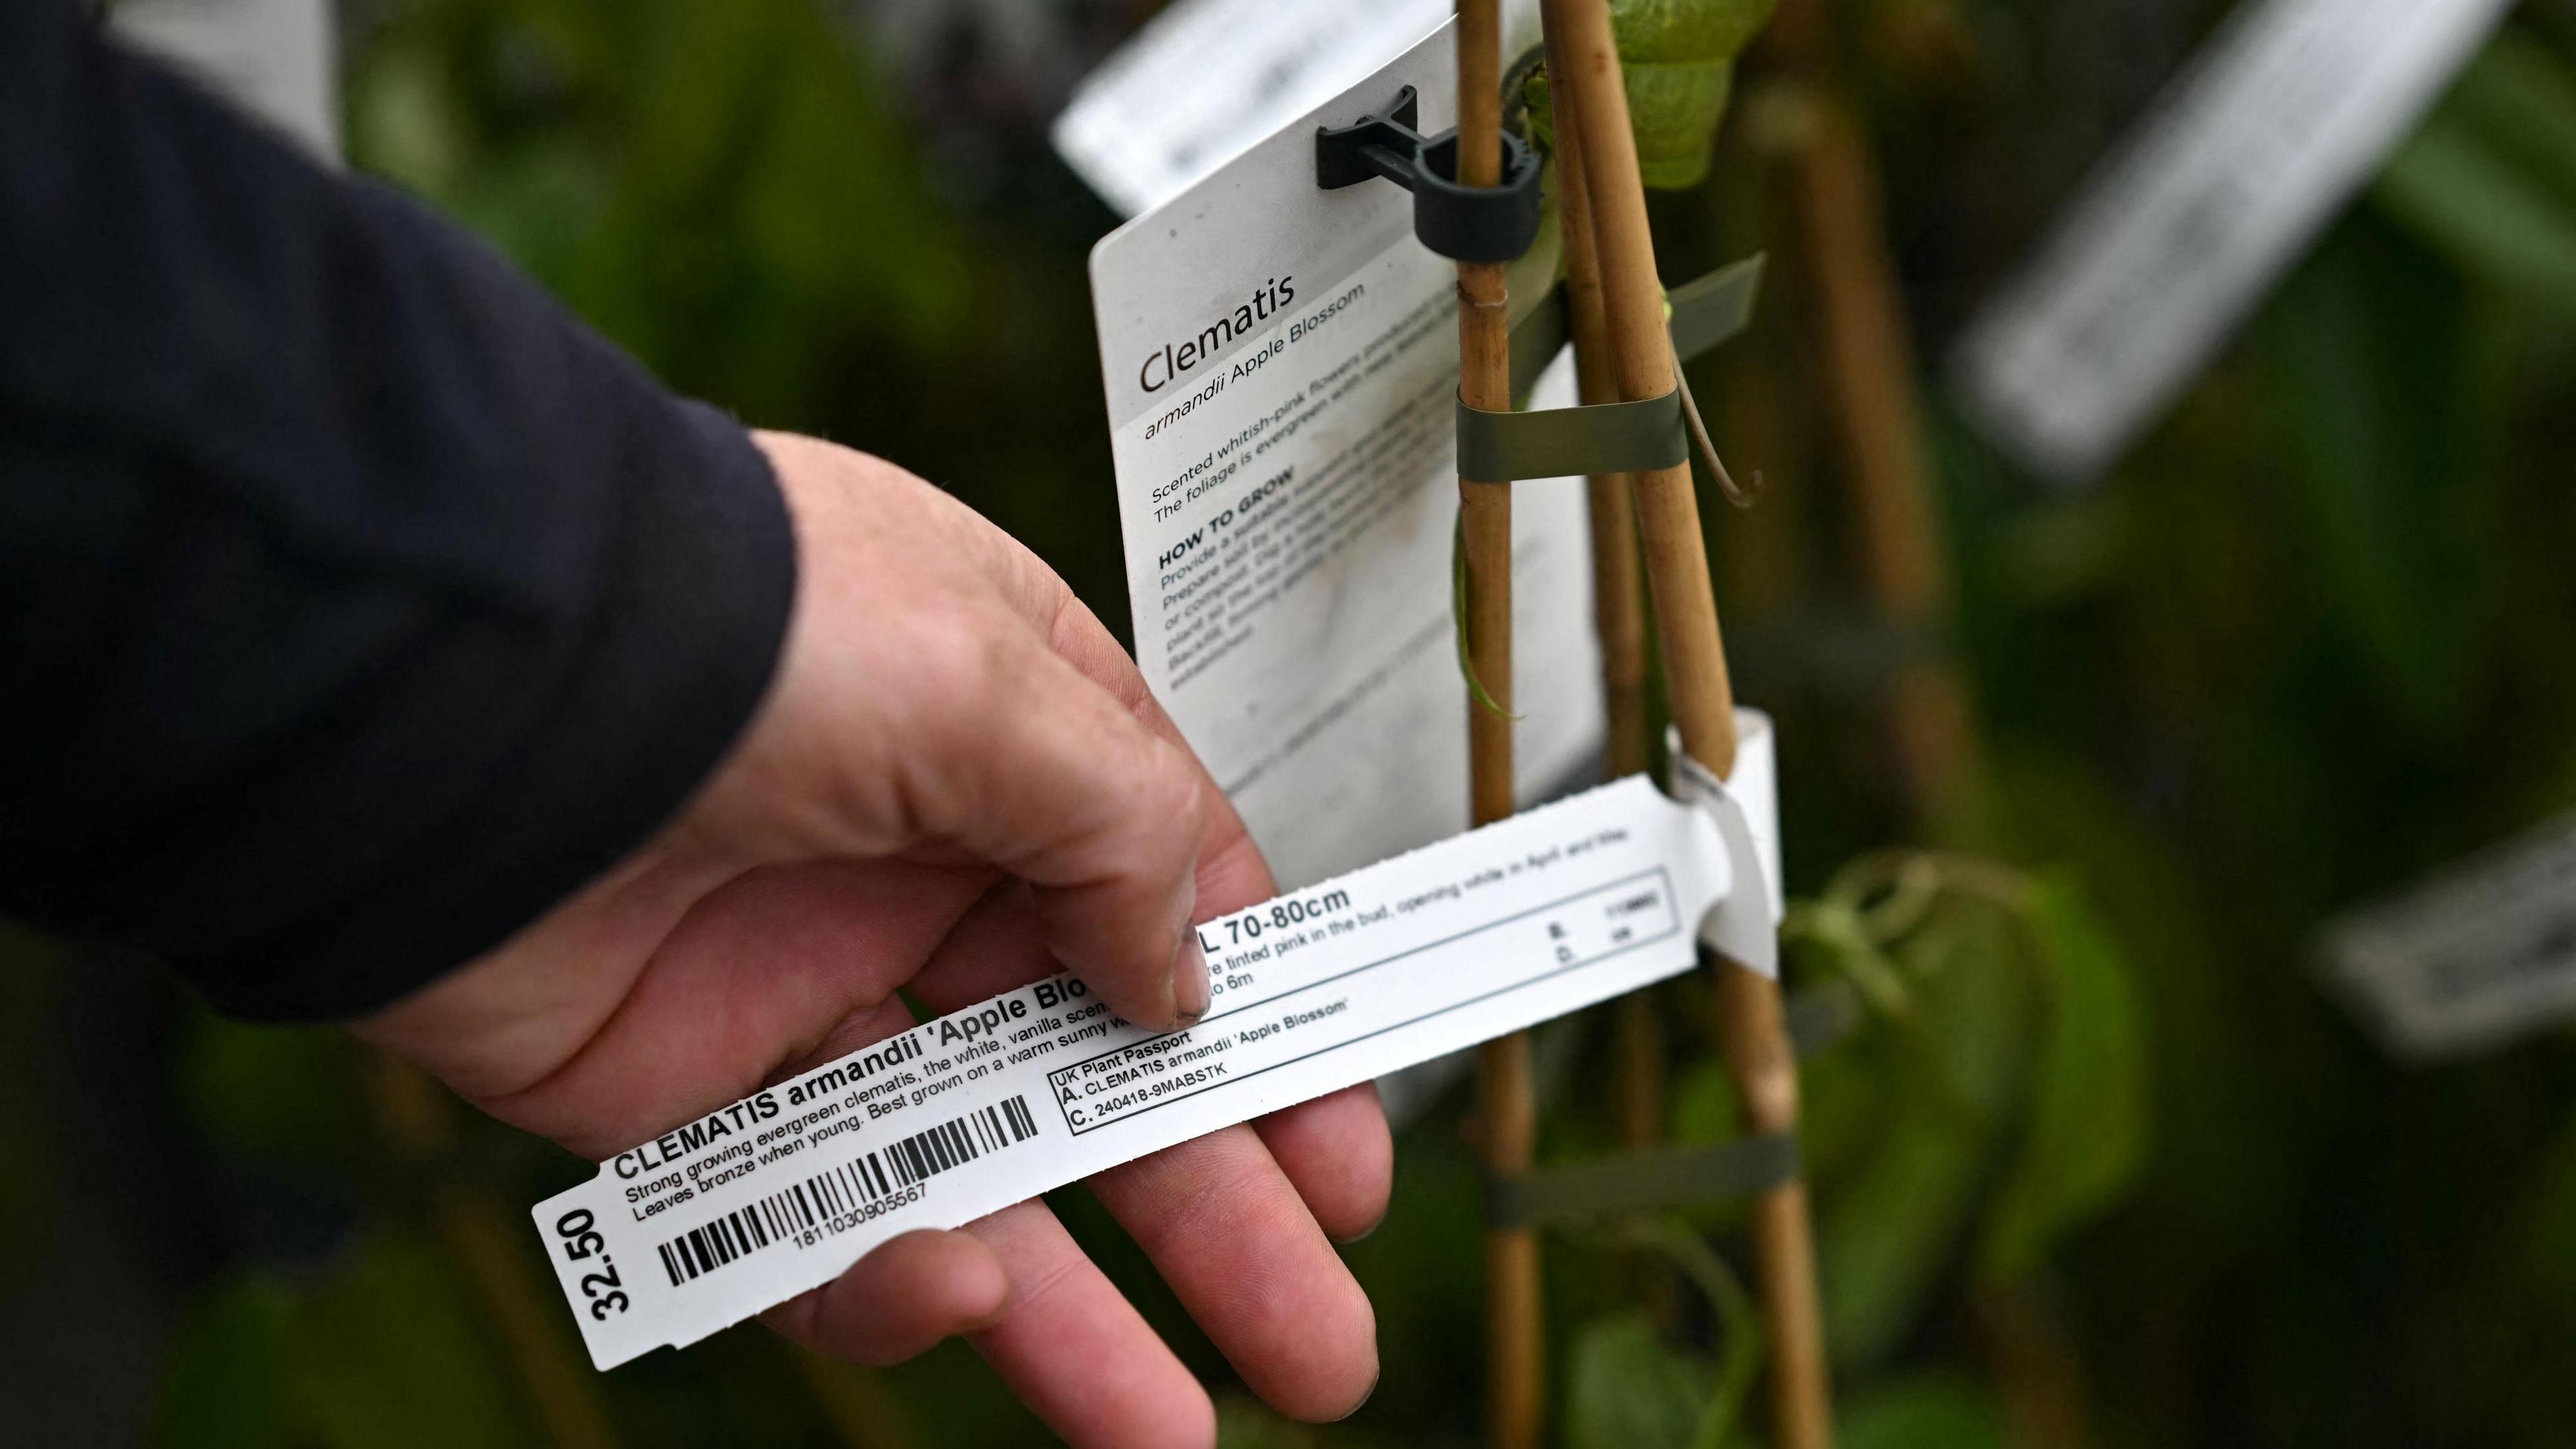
2101,1165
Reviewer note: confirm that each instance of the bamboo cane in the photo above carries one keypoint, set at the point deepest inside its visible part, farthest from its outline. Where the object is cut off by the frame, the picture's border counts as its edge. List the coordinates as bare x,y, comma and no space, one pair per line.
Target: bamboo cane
1507,1104
1637,1071
1869,371
1755,1037
1869,361
1618,584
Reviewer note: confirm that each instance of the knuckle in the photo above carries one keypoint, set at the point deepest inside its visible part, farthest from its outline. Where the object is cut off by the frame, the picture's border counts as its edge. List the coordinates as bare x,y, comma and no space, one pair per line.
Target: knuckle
1170,788
974,660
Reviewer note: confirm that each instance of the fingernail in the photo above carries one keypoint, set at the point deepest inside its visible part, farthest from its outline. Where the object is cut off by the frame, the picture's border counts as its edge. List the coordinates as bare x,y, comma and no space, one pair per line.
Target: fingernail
1190,981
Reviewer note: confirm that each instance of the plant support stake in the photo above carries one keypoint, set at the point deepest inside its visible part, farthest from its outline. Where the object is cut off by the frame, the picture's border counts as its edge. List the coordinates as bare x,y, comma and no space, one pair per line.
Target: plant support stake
1759,1055
1869,365
1869,371
1506,1102
1619,621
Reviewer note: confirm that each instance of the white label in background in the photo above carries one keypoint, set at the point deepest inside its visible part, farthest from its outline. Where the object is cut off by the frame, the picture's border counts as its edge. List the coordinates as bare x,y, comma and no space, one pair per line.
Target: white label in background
2481,955
1482,934
276,59
1205,79
2294,105
1282,364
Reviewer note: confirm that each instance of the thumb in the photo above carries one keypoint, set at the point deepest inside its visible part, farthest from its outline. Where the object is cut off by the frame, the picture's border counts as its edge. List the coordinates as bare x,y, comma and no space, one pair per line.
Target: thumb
1041,771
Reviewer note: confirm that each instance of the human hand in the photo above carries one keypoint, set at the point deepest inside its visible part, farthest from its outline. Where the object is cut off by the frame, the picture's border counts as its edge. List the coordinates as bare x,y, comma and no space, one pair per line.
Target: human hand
957,784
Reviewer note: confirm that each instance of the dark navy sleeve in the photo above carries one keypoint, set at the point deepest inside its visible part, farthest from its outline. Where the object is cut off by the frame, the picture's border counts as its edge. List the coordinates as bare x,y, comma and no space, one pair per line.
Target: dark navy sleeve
357,603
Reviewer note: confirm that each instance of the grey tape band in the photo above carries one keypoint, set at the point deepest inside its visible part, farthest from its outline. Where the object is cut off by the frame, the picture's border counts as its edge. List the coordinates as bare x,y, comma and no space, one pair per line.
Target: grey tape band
1560,442
1536,339
1711,309
1705,313
1626,437
1640,1182
1680,1176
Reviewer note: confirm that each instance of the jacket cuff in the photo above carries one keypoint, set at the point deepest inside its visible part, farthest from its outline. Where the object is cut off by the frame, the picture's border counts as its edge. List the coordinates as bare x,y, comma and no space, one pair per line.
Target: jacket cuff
684,635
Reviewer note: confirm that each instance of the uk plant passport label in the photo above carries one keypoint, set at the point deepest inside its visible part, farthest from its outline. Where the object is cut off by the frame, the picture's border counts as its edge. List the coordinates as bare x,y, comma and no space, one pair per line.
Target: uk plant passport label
1316,990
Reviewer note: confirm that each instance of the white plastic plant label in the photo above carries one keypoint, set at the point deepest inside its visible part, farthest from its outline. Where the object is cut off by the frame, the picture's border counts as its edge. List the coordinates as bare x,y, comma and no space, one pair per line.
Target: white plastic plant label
1204,80
2479,956
2293,106
1416,957
1281,365
1745,806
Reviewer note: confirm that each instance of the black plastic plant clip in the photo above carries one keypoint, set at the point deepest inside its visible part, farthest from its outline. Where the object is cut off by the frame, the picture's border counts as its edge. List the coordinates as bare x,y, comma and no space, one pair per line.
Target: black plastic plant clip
1464,223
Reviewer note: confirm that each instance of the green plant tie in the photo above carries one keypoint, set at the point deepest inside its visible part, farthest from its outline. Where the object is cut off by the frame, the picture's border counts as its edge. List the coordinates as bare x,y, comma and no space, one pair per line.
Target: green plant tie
1621,437
1710,310
1643,1182
1625,437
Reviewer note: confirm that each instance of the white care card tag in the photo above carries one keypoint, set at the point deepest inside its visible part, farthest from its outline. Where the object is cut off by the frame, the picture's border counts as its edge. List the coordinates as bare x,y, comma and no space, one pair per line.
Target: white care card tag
1281,364
1745,927
2479,956
2291,107
1206,79
276,59
1485,933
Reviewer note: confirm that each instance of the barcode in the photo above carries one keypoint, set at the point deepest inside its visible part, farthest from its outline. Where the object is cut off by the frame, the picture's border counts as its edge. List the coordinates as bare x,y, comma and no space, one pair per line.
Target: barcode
853,1184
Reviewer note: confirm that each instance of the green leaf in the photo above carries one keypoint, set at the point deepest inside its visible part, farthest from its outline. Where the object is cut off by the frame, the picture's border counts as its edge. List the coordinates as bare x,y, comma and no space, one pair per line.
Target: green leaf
2463,196
1628,1389
225,1377
1678,57
1889,1231
1704,1106
1840,1102
2553,1214
1884,1232
2233,1153
384,1354
1739,1328
280,1093
389,1355
2490,178
1675,110
2088,1120
1686,30
1929,1411
2522,91
722,189
403,121
2390,383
